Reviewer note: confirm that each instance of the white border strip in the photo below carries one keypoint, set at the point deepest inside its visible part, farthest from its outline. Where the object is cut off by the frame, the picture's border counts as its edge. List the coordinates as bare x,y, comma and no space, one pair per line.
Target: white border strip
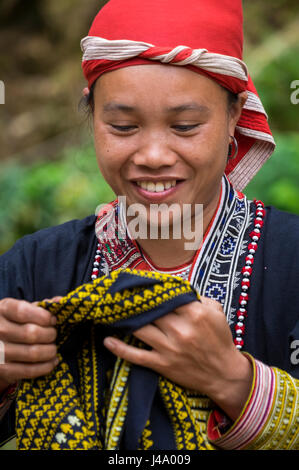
250,164
253,103
96,48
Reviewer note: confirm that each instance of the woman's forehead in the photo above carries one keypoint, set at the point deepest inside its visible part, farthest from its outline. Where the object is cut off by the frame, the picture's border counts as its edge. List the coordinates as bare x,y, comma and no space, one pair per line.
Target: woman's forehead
174,85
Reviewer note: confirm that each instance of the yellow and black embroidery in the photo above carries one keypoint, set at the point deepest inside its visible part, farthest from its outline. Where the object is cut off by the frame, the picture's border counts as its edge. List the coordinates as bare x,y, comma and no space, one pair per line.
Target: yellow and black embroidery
53,413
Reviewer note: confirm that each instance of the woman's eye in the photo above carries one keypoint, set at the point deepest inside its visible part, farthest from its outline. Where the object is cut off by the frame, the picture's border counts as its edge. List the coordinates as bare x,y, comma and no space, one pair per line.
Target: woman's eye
123,128
185,128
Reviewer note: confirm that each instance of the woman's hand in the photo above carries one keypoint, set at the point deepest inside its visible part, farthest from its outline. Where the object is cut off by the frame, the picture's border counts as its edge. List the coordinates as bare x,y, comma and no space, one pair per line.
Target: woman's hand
193,347
28,335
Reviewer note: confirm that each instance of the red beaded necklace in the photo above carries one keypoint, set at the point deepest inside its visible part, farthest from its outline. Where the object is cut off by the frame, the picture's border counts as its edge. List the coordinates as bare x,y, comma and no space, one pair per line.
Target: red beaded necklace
247,271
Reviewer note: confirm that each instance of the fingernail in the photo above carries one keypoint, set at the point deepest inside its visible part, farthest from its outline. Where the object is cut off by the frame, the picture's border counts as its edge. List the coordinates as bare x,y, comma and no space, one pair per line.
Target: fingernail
109,342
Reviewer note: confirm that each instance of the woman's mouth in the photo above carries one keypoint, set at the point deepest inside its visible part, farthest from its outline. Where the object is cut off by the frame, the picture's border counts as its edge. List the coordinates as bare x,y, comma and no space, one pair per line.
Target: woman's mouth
158,187
155,190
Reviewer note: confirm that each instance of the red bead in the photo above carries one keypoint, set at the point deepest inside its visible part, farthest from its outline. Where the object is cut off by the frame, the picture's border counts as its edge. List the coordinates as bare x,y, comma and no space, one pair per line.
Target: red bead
252,246
260,212
245,282
247,269
254,234
240,343
241,314
242,328
243,297
261,222
259,202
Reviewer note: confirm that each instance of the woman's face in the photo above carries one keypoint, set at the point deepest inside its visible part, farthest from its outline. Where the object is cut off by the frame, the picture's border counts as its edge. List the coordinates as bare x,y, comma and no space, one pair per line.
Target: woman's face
162,133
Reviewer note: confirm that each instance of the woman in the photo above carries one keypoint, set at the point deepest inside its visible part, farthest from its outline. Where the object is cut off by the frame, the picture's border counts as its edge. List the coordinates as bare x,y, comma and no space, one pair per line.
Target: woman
216,368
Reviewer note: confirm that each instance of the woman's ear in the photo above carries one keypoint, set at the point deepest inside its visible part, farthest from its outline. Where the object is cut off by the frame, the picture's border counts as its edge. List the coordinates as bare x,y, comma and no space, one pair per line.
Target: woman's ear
235,111
85,91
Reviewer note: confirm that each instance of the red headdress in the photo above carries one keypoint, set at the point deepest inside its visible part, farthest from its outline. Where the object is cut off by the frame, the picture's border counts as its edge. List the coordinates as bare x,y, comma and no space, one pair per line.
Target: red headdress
205,36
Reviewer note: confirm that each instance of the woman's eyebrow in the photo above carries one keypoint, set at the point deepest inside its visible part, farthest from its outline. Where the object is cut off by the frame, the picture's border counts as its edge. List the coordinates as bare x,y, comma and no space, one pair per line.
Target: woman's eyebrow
188,107
113,106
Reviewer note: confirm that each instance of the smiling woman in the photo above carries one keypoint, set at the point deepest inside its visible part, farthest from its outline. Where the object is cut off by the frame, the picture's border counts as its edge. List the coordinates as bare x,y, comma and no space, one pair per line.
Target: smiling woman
142,342
179,134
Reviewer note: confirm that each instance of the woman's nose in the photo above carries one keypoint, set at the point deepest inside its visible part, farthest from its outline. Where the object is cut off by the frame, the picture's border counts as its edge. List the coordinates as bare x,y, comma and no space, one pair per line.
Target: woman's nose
155,153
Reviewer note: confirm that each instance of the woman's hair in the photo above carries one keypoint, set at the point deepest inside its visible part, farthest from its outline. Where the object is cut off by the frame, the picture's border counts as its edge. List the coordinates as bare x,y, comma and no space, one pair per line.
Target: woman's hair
87,102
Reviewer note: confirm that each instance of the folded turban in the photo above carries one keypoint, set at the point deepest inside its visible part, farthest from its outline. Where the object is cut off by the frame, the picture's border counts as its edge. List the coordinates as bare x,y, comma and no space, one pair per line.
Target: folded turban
205,36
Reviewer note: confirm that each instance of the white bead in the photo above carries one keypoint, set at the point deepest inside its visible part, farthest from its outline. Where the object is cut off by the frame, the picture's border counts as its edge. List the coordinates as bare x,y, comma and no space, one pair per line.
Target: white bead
240,323
255,238
238,339
93,276
256,230
243,302
243,294
238,346
242,310
239,332
252,251
250,256
241,318
245,287
96,263
257,225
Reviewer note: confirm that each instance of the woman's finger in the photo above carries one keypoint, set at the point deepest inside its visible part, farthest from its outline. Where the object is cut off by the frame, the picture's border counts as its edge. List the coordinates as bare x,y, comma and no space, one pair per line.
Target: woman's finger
29,353
21,311
130,353
15,371
28,333
151,335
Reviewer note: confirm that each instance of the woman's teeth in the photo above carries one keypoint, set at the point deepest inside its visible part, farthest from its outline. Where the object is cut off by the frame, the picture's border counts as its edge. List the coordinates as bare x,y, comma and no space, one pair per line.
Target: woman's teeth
156,187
